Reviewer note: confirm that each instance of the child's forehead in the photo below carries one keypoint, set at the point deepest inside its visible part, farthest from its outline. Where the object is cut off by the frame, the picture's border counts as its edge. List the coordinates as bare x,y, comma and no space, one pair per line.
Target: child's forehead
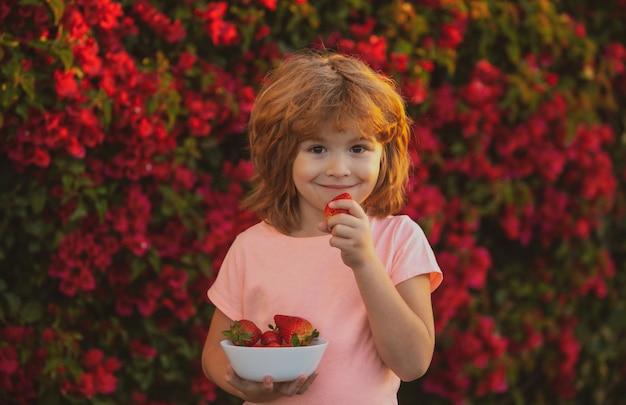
348,129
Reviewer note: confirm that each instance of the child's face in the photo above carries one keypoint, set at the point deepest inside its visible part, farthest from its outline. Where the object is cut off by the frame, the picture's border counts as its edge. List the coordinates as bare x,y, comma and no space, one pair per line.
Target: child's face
331,164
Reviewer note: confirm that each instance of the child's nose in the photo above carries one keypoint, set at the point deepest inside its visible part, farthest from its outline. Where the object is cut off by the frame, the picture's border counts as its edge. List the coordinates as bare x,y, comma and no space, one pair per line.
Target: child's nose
337,166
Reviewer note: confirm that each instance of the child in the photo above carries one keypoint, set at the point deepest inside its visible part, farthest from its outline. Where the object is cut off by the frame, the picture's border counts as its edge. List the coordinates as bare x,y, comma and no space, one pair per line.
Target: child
322,125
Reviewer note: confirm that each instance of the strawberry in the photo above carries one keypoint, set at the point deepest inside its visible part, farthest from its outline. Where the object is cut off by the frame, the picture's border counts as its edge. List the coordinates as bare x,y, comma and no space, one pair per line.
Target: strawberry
295,331
272,344
329,212
270,336
243,333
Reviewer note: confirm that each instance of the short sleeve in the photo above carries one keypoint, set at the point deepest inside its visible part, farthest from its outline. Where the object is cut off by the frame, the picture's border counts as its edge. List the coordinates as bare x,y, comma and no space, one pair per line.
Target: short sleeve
227,290
412,254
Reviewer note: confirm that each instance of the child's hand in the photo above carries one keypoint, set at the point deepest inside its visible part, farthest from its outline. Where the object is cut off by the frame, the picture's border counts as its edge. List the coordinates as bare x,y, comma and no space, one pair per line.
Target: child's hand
268,390
350,233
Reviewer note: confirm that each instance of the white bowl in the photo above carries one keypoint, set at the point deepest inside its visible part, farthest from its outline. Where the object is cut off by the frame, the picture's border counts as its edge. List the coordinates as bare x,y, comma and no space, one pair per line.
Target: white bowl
281,363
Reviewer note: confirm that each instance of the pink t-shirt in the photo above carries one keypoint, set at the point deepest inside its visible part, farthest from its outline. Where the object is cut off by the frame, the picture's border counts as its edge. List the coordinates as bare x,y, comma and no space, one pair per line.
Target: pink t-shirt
266,272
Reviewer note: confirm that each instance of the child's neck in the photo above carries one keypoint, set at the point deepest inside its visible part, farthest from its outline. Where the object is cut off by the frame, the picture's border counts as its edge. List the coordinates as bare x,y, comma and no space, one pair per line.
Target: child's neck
306,232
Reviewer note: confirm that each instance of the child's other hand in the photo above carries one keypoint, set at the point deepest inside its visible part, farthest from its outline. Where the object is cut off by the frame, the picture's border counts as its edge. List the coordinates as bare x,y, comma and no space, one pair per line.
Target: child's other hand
267,390
351,234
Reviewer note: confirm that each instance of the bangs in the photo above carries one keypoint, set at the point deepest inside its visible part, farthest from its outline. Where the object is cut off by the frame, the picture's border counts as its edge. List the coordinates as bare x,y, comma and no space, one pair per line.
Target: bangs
343,106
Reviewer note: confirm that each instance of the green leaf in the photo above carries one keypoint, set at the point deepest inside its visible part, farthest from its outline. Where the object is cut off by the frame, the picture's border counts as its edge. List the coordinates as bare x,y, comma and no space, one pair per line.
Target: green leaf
38,200
155,260
27,83
13,301
57,7
137,267
32,311
65,55
79,212
8,94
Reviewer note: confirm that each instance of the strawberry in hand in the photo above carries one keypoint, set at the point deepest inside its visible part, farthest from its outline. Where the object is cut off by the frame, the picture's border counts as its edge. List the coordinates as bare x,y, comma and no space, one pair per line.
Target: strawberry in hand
329,212
243,333
294,330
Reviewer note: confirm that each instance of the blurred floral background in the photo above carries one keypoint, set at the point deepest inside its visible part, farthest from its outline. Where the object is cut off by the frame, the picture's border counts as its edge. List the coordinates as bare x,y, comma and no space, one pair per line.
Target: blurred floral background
123,158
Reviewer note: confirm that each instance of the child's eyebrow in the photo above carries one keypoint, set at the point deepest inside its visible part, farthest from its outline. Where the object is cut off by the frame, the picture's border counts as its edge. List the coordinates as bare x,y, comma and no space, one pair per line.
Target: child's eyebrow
364,138
357,138
313,139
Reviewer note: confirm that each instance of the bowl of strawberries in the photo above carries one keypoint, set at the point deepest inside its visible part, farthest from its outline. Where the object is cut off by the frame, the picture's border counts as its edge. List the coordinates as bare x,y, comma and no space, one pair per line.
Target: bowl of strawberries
290,348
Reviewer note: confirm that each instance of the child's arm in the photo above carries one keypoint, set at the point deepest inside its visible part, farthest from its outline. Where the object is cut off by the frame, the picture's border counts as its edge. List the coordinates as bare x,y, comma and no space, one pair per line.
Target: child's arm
217,369
401,318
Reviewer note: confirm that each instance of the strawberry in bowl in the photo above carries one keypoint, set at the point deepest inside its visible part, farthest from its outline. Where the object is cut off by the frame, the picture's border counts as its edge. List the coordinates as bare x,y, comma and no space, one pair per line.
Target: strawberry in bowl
286,351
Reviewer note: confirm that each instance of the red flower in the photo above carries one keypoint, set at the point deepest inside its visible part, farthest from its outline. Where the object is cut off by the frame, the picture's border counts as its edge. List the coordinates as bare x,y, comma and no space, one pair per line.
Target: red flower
40,158
477,93
486,72
92,358
74,22
108,13
111,364
494,381
105,382
124,305
86,385
399,61
66,86
269,4
360,31
74,148
373,51
86,54
222,32
451,36
186,61
205,388
416,91
8,360
137,348
262,32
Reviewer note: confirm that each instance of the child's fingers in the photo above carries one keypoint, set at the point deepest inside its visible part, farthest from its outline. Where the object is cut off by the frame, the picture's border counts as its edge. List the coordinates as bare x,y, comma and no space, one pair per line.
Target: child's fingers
323,226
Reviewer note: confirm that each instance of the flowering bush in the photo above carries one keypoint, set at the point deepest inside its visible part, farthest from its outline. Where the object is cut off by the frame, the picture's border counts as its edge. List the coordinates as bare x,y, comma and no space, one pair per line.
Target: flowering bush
123,161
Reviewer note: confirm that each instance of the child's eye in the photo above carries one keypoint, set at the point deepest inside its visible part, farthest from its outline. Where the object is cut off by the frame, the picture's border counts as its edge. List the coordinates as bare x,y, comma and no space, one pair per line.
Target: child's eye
359,148
316,149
